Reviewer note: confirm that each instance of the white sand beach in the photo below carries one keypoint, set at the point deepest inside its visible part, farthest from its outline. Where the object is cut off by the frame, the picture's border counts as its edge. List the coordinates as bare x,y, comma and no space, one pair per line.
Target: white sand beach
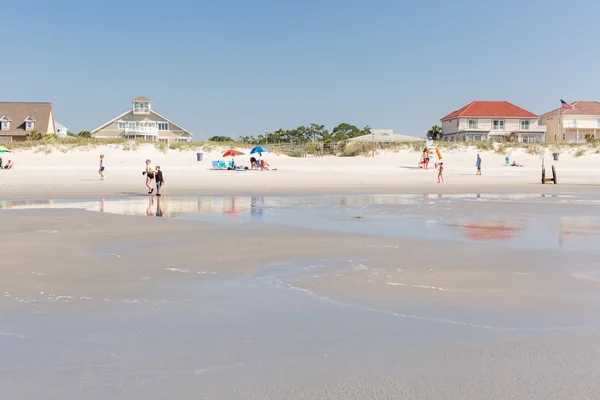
74,173
250,295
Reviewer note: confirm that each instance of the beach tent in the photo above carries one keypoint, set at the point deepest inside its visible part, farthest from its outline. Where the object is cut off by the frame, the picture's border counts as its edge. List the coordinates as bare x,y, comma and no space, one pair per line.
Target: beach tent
385,136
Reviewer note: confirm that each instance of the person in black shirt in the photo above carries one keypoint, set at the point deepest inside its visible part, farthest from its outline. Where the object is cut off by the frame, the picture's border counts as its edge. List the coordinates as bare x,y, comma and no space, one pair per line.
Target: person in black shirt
160,181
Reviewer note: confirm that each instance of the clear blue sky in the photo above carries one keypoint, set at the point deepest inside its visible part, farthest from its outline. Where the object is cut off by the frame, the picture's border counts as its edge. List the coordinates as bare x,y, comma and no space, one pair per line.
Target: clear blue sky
242,66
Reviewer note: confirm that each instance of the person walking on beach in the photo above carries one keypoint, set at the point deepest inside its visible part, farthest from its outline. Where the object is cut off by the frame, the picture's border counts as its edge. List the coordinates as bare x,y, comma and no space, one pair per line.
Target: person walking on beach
441,173
149,172
426,157
101,167
159,180
478,165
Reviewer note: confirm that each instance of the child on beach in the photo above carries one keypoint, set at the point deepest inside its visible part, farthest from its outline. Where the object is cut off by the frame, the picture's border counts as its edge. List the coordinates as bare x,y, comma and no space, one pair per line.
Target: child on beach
101,167
159,180
441,173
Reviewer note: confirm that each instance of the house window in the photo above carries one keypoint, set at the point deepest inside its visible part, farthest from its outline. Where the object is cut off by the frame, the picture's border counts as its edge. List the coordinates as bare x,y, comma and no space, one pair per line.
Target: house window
163,126
598,123
498,124
531,139
469,138
524,125
4,125
131,125
121,125
472,124
29,125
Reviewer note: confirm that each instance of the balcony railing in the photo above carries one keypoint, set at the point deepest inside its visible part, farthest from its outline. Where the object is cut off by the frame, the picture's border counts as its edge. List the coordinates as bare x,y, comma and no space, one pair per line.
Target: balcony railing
141,111
581,124
532,128
482,127
141,131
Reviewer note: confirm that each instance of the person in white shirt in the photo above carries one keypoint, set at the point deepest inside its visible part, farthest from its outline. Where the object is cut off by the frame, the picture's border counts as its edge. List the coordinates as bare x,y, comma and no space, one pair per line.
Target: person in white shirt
101,168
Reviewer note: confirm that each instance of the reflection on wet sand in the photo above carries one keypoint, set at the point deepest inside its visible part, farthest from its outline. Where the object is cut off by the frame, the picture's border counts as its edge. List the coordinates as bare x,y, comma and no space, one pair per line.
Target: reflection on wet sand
573,229
436,217
489,229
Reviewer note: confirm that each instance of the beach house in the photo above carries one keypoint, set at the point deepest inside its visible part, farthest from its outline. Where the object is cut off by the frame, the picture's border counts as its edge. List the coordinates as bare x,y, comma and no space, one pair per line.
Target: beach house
573,126
19,118
61,130
492,120
142,122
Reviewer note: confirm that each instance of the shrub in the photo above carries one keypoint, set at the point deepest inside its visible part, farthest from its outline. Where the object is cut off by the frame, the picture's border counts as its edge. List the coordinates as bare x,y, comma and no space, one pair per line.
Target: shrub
534,149
357,149
34,135
580,153
485,145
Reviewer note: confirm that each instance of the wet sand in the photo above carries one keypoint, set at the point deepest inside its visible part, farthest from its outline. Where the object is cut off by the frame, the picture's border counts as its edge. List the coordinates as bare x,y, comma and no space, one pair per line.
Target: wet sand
102,306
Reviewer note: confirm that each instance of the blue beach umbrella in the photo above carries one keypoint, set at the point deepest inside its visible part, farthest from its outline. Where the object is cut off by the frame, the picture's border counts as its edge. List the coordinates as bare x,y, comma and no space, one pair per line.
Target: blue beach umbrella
259,150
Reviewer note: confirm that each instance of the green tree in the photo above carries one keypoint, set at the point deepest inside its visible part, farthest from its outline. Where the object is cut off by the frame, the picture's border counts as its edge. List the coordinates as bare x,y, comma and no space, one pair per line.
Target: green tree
317,132
366,130
276,136
345,131
220,139
84,134
435,133
71,134
34,135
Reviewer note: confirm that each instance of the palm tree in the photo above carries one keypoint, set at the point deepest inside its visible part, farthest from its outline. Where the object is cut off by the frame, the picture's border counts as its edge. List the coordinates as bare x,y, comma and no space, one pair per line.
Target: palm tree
435,133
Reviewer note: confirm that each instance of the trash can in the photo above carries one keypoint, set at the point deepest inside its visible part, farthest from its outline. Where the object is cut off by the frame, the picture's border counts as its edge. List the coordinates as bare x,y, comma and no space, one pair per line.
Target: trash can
555,156
199,156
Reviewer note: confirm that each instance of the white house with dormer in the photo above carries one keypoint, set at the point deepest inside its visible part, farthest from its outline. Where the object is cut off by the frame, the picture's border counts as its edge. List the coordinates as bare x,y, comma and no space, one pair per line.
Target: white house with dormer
493,120
142,122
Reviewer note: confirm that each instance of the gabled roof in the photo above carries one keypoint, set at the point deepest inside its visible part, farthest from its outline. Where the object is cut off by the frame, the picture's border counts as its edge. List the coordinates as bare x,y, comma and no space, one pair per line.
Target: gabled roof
60,126
480,108
131,111
142,98
5,118
171,122
18,112
579,108
30,119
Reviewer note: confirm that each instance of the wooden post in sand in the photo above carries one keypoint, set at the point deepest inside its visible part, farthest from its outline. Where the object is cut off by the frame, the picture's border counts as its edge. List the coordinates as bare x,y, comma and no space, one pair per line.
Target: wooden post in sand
554,178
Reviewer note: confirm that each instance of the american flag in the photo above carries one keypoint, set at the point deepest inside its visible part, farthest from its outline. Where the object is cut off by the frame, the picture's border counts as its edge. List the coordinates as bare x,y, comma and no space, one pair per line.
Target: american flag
564,104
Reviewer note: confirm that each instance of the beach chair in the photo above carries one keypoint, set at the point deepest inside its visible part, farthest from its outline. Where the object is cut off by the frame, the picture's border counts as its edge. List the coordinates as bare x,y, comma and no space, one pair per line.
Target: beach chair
222,165
215,165
230,164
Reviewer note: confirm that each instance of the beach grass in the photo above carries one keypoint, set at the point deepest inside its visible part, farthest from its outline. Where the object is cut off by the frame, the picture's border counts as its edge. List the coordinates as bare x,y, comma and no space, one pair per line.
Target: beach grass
53,144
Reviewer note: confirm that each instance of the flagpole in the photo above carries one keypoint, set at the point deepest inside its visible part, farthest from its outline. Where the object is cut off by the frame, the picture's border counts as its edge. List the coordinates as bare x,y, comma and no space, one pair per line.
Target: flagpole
559,127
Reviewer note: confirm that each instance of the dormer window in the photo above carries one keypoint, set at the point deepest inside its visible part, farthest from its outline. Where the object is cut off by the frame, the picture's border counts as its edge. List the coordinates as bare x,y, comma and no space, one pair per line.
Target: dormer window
29,124
4,123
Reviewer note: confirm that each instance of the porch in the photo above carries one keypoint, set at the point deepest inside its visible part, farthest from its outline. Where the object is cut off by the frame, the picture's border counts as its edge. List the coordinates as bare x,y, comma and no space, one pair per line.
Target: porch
577,135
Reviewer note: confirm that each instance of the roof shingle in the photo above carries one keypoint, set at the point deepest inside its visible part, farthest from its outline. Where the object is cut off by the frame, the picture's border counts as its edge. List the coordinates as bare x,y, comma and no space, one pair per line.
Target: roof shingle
579,108
141,98
480,108
18,113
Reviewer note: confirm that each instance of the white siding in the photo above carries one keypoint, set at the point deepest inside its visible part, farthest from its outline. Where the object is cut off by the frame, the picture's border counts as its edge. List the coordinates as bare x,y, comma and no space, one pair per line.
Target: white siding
510,124
450,127
581,121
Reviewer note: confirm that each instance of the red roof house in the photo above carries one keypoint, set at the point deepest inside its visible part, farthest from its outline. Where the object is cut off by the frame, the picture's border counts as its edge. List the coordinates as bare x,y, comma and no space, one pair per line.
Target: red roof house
480,108
492,120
